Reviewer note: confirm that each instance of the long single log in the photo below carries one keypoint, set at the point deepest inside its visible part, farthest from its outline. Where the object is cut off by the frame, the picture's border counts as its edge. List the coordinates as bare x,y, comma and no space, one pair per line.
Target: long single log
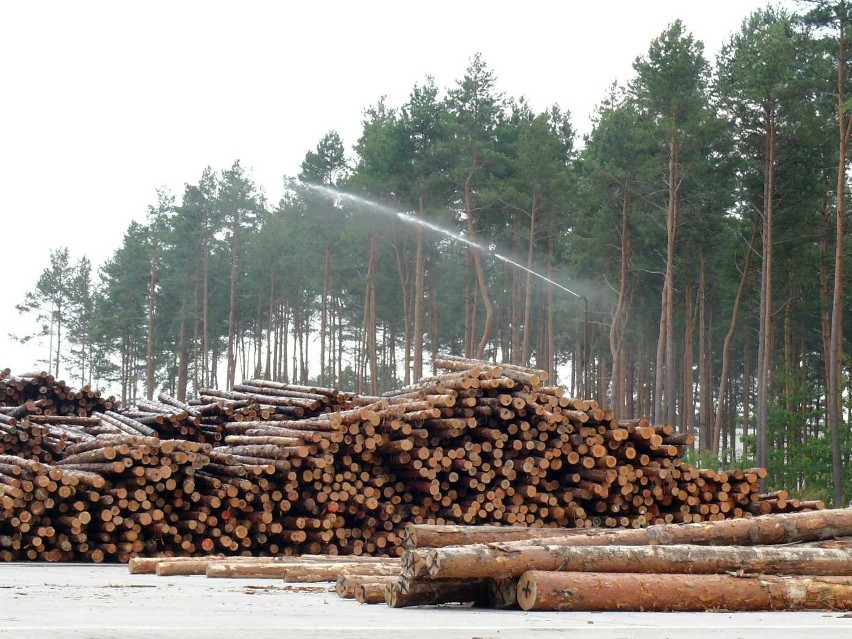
780,528
434,536
184,566
539,590
144,565
690,559
314,573
280,569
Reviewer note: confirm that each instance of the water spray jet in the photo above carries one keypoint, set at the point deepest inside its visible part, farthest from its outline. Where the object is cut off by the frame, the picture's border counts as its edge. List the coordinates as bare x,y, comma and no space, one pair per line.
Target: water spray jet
333,194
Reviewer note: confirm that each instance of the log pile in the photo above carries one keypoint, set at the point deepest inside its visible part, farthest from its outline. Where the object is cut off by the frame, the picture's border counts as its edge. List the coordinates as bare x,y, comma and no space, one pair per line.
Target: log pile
54,397
275,469
762,563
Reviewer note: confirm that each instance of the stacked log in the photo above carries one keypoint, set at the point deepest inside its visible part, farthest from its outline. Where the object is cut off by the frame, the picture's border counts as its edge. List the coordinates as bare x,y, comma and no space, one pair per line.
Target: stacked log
55,396
108,498
739,564
270,468
170,419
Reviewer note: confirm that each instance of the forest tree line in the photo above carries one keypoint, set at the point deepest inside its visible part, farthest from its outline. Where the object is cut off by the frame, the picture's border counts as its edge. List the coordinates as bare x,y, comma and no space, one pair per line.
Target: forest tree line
702,218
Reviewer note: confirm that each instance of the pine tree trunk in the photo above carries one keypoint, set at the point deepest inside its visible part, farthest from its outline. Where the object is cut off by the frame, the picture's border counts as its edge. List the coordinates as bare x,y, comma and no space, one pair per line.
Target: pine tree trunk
551,343
528,287
657,414
704,373
433,322
59,317
617,327
688,411
205,305
480,271
825,312
285,338
515,329
258,340
419,296
836,344
271,333
642,381
405,290
149,355
726,346
183,356
124,369
706,393
468,314
746,387
765,333
324,315
232,304
305,343
671,233
371,325
195,354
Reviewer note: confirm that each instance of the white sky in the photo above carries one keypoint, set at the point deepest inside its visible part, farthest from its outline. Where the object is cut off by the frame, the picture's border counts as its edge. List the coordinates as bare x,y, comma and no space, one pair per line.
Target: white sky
102,102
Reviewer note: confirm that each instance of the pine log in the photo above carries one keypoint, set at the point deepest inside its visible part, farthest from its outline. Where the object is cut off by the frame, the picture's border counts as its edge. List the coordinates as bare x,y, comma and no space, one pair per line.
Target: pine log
183,566
314,573
347,583
373,592
503,593
478,560
434,536
539,590
282,569
144,565
448,563
398,594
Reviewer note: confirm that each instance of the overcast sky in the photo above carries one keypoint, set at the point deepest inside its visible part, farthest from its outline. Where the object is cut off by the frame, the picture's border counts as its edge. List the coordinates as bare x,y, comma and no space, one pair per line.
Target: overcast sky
103,102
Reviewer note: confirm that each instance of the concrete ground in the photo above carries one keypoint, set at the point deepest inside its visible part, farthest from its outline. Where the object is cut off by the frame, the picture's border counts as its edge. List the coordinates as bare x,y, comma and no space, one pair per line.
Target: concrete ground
71,601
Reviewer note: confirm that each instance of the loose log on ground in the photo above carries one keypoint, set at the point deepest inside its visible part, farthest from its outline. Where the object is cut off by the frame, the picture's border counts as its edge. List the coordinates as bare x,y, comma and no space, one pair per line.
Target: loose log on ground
347,583
401,595
287,567
539,590
373,592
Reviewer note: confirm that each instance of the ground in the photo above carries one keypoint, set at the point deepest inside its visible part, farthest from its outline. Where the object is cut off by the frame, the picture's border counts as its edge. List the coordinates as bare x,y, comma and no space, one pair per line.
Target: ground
94,601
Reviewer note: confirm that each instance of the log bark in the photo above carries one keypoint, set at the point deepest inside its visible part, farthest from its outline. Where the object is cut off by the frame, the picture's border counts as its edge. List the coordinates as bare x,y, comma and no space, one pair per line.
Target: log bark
348,583
476,561
639,592
689,559
401,595
436,536
291,570
373,592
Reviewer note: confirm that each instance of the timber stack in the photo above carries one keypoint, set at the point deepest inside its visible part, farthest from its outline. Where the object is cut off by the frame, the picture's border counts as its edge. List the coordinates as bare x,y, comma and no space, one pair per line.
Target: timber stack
270,468
773,562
